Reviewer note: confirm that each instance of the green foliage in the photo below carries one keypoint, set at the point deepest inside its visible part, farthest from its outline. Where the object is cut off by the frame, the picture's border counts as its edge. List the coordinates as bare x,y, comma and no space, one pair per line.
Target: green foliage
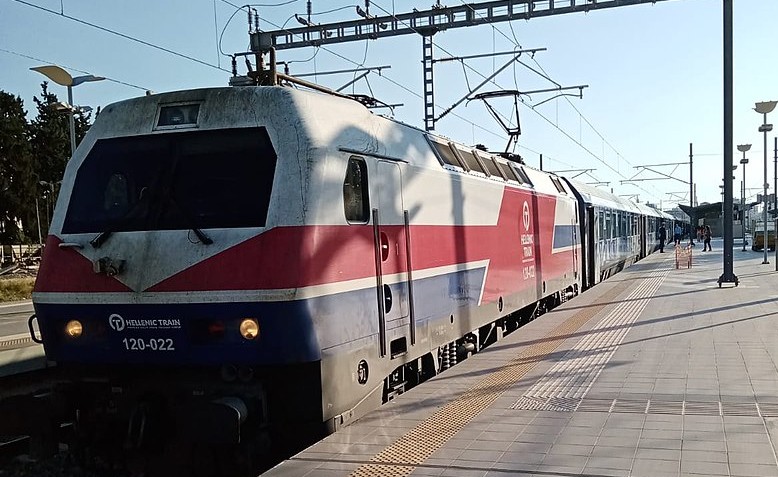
33,156
16,169
50,138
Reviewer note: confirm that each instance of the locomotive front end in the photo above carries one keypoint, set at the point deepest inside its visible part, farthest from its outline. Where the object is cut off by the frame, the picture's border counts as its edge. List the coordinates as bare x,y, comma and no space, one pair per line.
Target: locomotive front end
166,290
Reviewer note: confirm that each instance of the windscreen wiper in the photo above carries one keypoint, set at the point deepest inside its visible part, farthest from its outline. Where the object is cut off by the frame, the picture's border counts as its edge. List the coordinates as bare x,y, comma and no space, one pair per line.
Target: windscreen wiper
100,238
204,239
201,235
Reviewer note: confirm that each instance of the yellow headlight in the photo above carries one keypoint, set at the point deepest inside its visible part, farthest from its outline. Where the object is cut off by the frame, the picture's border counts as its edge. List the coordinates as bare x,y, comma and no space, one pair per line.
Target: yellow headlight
249,328
74,328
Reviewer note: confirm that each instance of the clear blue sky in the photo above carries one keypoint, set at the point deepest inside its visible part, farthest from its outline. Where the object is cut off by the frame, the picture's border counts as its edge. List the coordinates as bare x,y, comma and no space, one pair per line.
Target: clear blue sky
654,74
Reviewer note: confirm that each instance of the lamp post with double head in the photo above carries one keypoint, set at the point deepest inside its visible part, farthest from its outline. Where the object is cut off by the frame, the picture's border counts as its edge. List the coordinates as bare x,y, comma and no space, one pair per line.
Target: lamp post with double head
764,108
743,148
63,78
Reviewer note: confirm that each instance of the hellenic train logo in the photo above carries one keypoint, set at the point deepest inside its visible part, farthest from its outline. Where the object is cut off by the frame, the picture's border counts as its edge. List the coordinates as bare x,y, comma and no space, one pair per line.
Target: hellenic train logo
116,322
525,217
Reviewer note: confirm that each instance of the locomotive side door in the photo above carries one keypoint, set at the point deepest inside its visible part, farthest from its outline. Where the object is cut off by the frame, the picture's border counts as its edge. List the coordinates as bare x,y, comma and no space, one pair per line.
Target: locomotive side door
390,233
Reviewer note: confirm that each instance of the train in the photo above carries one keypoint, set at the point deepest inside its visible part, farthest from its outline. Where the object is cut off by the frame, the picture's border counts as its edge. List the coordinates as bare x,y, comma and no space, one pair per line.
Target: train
229,268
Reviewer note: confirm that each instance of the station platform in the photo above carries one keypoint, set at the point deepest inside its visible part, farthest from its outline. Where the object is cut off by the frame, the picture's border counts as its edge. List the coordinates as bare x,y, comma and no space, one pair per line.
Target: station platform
18,354
655,372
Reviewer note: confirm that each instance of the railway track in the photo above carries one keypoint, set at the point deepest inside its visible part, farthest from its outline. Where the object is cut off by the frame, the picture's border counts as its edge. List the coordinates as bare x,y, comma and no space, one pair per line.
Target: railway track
26,409
34,436
12,447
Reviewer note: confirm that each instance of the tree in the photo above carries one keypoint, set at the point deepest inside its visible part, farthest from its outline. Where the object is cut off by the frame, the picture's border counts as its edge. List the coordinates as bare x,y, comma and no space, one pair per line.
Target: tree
17,186
50,139
33,157
50,142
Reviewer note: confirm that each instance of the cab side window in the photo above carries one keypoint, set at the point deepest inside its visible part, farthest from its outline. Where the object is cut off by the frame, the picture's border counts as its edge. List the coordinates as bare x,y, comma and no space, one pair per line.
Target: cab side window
356,203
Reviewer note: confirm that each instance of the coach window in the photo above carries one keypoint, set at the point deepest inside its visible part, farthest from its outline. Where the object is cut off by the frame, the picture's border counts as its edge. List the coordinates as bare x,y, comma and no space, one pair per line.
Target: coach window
616,215
623,228
602,224
616,224
356,203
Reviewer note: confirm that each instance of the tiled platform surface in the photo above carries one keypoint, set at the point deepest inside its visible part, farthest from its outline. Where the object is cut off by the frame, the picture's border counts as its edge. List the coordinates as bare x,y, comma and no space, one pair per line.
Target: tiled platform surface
672,376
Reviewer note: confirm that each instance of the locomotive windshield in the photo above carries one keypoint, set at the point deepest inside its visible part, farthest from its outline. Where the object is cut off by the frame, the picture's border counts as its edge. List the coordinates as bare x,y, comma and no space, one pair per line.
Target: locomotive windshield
174,181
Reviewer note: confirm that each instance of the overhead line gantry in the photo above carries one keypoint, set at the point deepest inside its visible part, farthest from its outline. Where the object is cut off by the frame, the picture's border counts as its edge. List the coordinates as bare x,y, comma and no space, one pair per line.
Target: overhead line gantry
422,22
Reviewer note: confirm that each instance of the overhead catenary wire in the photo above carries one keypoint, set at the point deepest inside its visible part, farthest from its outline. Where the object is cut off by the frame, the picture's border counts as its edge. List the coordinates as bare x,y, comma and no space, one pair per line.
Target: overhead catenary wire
544,74
73,69
414,93
62,14
390,80
217,66
122,35
196,60
499,86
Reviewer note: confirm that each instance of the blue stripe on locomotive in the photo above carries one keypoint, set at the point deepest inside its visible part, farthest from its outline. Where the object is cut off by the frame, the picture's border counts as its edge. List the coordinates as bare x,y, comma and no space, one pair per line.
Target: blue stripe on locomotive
279,322
286,328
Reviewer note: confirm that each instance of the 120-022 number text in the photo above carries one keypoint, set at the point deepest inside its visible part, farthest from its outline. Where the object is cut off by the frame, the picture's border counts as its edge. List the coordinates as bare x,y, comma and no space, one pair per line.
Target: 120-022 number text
150,344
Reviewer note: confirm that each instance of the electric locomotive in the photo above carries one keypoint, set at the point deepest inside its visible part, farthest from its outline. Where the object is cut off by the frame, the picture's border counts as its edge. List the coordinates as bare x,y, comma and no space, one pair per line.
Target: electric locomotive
235,266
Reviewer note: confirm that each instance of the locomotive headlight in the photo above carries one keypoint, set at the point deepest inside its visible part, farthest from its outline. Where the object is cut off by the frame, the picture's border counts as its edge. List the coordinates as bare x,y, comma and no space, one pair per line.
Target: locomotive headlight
249,328
74,328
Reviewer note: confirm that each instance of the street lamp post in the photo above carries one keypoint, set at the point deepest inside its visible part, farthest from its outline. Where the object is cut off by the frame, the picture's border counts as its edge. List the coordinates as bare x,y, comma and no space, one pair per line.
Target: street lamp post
743,148
63,78
764,108
692,225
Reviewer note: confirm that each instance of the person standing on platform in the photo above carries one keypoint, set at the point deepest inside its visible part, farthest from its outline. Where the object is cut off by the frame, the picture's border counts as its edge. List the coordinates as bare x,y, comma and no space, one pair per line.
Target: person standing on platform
707,234
662,237
677,231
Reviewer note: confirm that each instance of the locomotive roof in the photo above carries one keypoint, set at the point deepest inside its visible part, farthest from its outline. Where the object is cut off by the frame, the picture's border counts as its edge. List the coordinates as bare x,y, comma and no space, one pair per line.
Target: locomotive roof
321,120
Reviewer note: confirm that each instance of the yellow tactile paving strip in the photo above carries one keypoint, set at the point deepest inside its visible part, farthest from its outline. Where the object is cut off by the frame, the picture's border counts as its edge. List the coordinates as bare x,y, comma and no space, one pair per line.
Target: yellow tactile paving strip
413,448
